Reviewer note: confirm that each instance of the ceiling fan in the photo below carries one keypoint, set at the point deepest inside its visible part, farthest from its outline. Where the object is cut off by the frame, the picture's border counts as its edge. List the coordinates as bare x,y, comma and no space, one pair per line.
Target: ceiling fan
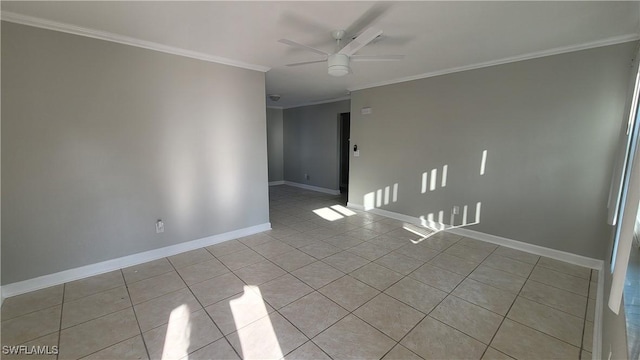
340,61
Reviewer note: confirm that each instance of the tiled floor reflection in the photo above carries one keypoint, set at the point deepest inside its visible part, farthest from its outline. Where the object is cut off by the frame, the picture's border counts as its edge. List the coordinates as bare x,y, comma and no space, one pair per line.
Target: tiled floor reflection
311,288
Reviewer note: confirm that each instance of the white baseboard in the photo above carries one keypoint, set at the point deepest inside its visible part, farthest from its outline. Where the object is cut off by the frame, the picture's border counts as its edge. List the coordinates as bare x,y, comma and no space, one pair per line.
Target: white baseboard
314,188
274,183
530,248
82,272
533,249
389,214
514,244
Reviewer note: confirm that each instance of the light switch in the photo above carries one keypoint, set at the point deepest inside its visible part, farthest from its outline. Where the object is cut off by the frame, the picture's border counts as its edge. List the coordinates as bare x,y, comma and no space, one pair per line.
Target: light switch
365,111
356,153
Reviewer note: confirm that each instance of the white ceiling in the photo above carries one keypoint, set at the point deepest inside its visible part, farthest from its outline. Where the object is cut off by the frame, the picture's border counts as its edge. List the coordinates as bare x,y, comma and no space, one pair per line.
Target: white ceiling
436,37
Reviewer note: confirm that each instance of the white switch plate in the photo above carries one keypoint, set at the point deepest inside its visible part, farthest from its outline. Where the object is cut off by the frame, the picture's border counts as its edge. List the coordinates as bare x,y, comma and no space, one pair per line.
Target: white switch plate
365,111
356,153
159,226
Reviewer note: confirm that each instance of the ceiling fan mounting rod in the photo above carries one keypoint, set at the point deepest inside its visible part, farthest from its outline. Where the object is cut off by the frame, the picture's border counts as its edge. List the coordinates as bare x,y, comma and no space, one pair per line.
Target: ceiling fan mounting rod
337,34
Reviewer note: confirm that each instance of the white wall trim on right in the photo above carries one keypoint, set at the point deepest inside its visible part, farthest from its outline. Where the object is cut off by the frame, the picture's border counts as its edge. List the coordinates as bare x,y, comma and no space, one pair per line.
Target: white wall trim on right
278,182
313,188
82,272
126,40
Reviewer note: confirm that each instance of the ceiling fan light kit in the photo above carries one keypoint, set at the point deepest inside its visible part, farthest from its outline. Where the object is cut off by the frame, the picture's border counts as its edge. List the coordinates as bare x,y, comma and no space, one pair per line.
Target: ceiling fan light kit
338,65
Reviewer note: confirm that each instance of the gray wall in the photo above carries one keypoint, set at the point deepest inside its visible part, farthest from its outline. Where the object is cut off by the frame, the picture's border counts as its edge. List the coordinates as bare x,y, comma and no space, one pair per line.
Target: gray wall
311,144
275,145
100,139
550,127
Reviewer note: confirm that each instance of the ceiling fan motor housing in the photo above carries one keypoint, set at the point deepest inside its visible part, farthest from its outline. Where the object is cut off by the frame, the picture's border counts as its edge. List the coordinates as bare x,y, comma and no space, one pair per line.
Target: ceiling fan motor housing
338,64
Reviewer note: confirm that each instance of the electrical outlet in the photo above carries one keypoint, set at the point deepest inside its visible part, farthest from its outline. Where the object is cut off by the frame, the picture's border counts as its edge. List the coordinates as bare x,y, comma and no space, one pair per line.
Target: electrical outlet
456,210
159,226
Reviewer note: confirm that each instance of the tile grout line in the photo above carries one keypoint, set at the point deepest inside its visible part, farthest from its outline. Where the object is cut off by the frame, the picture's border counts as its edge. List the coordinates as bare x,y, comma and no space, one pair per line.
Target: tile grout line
426,314
551,307
321,294
452,290
232,272
205,311
584,323
528,279
555,286
104,315
64,287
84,322
310,339
133,308
511,306
34,311
434,307
275,310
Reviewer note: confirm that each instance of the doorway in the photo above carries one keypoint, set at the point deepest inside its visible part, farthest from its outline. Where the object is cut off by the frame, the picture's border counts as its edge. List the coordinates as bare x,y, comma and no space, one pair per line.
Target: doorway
345,133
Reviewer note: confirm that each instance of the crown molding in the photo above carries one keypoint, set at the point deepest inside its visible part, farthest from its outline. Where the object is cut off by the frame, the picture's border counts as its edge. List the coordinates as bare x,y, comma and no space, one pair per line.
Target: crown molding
310,103
126,40
274,107
533,55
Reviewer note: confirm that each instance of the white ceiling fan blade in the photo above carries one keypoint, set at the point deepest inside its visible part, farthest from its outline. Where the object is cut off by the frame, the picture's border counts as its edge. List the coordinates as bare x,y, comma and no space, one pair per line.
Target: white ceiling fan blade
306,62
301,46
377,57
366,19
361,41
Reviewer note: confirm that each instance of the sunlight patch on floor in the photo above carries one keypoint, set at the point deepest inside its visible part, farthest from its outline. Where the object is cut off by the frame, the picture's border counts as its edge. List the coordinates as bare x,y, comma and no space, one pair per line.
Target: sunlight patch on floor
176,342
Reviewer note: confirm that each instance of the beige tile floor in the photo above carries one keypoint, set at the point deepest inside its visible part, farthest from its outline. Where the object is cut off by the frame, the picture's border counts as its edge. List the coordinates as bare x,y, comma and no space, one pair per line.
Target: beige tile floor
311,288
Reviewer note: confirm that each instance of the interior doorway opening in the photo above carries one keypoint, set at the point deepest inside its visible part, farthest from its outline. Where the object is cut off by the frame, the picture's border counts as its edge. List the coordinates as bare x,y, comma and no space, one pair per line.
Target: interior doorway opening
344,135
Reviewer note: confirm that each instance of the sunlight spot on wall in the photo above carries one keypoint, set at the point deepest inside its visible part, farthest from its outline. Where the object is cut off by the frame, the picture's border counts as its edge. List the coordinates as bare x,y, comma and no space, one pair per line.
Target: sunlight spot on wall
444,175
434,179
430,179
382,196
369,201
176,341
483,163
424,182
465,211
